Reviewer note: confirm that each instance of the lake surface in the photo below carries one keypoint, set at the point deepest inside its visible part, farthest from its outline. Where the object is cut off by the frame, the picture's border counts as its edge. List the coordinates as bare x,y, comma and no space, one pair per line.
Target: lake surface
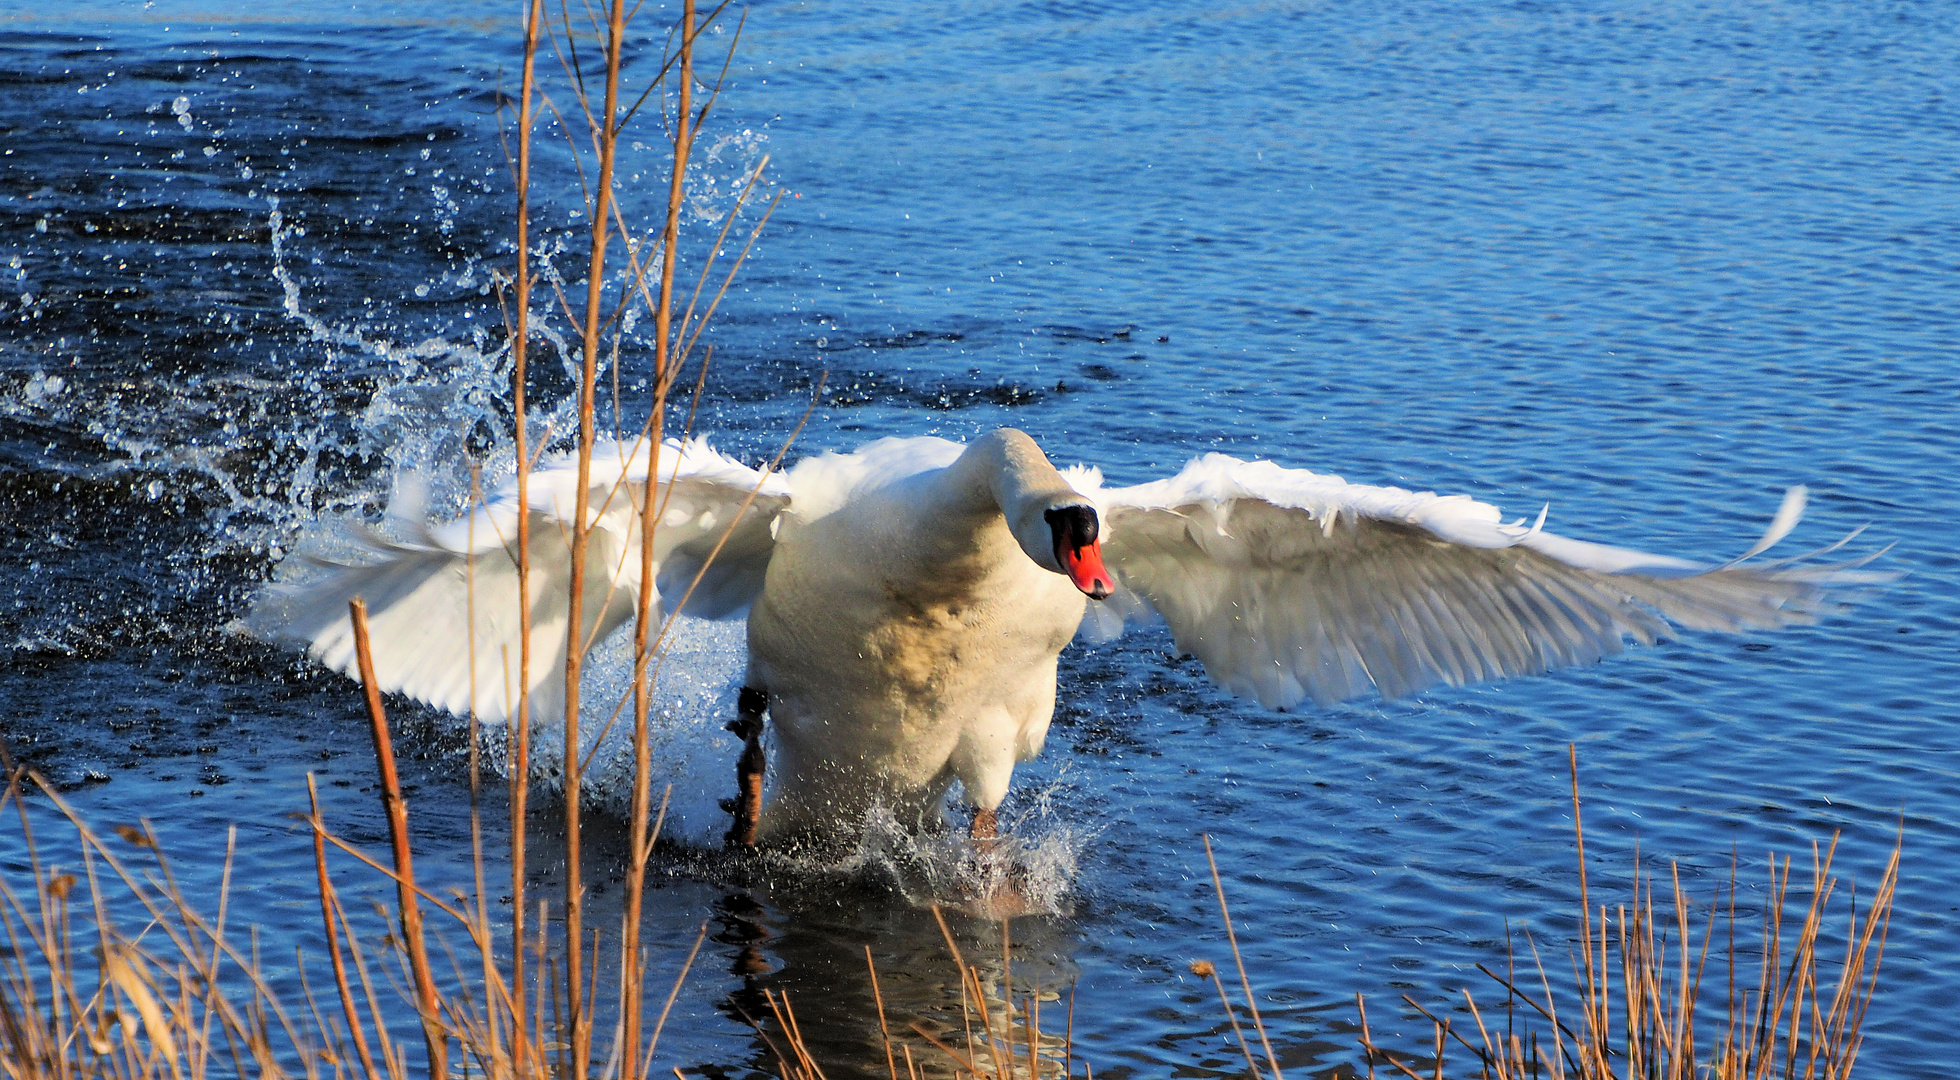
1650,263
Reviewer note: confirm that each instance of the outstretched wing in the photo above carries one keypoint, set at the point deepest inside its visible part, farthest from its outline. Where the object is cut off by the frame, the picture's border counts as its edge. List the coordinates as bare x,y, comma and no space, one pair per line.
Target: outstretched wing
1290,585
443,612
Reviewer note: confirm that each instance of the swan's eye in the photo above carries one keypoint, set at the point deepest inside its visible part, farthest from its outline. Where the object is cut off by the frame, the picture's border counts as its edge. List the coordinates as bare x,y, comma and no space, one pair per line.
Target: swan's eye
1074,526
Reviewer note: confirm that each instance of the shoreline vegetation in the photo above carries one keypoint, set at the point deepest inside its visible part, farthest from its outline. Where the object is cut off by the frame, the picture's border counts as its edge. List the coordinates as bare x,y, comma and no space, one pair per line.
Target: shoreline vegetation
184,998
187,996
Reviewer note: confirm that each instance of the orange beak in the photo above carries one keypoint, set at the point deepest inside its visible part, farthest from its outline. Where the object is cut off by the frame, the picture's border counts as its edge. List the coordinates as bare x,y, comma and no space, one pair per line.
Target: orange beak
1085,567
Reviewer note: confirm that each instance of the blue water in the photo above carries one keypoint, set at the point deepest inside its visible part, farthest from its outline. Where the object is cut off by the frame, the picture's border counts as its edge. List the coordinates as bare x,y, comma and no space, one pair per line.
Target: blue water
1648,263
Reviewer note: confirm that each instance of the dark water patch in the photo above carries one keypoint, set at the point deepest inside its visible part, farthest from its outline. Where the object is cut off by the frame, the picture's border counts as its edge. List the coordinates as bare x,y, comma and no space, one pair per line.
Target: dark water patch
910,339
174,226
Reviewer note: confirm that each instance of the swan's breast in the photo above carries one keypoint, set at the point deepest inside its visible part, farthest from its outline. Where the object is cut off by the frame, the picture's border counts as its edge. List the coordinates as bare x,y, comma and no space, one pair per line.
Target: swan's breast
884,638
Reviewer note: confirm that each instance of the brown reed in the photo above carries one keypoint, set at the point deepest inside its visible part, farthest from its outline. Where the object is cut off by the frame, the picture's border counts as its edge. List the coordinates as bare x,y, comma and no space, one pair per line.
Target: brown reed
435,1038
520,741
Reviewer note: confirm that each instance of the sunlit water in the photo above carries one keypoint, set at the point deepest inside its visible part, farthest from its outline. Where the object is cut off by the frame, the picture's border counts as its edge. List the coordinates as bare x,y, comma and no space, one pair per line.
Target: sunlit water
1649,263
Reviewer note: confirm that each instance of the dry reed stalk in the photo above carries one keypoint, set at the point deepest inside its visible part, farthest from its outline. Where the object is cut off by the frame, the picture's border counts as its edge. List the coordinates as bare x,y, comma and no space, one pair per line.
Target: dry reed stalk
541,983
884,1029
806,1063
519,742
1374,1051
389,1057
490,1034
354,1027
605,136
1205,969
970,984
435,1037
1068,1041
664,369
964,1061
1231,936
1006,991
1593,997
1033,1028
603,133
646,1064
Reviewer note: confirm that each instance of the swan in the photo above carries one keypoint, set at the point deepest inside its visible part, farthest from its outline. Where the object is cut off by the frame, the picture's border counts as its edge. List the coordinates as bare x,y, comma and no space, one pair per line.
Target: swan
907,602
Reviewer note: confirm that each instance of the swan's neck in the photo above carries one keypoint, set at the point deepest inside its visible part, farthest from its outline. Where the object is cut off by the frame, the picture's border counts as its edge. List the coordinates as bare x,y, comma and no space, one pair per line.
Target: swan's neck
1005,473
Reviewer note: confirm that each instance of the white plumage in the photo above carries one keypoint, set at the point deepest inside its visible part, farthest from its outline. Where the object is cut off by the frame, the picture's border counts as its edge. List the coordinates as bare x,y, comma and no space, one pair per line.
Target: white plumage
908,601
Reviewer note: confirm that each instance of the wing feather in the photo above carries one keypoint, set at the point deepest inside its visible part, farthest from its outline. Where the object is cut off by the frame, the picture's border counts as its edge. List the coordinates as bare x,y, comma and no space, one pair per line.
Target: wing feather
443,609
1291,585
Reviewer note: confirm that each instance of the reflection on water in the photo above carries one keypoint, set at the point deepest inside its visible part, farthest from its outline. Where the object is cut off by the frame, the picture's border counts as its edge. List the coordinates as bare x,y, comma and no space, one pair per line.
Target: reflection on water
1650,265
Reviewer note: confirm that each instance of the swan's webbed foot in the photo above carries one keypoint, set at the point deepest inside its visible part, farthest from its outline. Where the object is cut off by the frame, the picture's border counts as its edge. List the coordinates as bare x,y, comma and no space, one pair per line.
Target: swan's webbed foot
747,804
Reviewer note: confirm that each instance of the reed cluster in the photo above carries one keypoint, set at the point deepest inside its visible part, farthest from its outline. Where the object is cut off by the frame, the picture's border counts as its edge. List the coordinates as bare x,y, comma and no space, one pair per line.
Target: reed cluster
1643,996
118,974
178,998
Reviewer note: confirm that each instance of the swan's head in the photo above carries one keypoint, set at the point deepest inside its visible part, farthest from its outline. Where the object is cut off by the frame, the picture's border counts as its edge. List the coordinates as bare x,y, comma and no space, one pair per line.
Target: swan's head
1077,550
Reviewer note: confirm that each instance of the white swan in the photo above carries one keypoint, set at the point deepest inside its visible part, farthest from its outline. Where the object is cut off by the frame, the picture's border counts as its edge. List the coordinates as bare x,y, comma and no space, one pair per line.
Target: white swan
907,602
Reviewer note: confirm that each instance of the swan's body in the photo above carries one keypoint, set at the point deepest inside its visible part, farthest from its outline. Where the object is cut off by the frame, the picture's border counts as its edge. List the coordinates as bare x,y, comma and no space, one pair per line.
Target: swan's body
929,658
908,603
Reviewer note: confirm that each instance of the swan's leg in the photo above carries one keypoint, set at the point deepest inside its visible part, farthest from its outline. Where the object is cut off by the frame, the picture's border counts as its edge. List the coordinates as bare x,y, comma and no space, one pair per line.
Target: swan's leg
984,762
985,829
747,806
